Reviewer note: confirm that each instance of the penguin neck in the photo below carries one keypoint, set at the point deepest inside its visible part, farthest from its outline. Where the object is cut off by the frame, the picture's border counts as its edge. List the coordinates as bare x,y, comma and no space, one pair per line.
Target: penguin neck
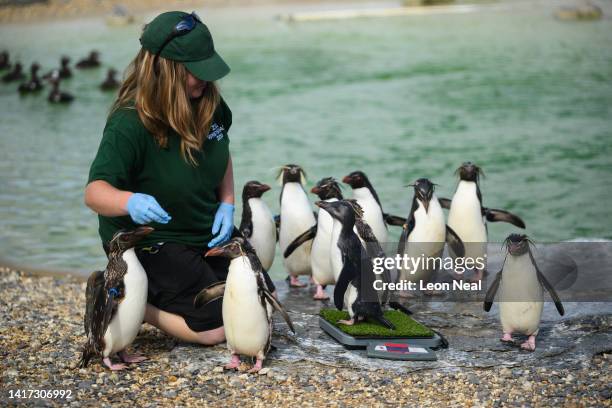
247,214
134,271
366,193
469,188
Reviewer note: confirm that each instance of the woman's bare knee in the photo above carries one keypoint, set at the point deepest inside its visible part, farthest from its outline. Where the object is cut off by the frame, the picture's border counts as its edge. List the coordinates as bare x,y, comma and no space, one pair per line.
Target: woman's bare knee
211,337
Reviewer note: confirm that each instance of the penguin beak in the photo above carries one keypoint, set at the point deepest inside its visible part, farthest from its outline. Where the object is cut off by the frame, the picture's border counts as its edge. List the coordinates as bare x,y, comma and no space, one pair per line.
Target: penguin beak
347,179
216,251
315,190
264,188
425,202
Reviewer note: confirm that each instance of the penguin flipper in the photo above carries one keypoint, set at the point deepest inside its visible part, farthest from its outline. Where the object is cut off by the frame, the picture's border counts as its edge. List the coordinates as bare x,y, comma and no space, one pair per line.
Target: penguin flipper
277,222
95,286
277,306
488,302
548,286
401,246
394,220
346,277
302,238
209,294
398,306
455,242
444,203
495,215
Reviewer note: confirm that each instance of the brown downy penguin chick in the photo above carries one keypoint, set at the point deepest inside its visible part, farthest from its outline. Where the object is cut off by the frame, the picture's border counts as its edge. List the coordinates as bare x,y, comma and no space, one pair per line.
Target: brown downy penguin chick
110,83
115,302
92,61
57,96
247,304
15,75
521,287
34,84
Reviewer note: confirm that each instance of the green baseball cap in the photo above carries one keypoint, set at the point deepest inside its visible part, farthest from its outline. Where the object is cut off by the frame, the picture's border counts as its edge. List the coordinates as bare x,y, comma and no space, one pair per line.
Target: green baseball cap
195,49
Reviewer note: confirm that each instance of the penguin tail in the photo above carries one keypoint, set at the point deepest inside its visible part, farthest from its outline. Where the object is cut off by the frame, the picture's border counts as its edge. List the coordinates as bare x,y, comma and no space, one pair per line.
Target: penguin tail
87,355
382,320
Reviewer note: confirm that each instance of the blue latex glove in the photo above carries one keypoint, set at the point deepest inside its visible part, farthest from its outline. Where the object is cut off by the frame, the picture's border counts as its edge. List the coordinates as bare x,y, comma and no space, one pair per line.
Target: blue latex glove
224,220
144,208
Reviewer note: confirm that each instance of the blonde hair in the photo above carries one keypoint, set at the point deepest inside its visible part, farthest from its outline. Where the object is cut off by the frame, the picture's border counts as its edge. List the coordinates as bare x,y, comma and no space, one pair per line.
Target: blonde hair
162,102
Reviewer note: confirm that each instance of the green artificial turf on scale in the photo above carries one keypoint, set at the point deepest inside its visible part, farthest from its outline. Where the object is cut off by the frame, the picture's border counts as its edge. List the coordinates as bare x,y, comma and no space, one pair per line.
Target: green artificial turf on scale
405,326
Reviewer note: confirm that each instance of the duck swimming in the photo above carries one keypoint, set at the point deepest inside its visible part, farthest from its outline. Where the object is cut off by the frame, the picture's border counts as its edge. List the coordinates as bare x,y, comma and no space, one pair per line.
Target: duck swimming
64,71
110,83
57,96
91,61
34,84
4,60
15,75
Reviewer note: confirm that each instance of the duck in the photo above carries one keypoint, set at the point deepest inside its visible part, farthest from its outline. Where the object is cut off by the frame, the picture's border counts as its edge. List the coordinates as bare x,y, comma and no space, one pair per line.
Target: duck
15,75
4,60
91,61
110,83
57,96
34,84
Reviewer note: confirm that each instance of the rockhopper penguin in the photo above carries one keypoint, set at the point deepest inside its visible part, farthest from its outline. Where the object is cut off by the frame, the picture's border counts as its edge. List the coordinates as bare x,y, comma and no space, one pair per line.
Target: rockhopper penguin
354,290
425,233
373,214
247,304
115,302
327,189
467,216
521,286
296,216
257,224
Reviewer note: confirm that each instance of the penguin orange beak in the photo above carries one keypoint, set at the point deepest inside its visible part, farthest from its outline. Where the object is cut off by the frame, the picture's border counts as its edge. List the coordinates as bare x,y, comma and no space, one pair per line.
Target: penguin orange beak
315,190
216,251
347,179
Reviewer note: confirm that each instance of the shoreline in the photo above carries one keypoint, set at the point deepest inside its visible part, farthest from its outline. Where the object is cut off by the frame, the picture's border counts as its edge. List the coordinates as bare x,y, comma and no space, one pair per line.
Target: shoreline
56,10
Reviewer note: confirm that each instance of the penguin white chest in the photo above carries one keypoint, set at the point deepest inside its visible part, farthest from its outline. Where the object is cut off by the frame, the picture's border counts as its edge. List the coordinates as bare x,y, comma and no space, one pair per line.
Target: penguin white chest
125,324
320,257
245,319
296,218
521,297
465,215
372,213
429,226
335,253
263,237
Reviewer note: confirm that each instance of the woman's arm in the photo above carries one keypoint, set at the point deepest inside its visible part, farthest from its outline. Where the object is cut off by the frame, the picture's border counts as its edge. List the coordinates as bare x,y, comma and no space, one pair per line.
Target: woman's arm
105,199
226,188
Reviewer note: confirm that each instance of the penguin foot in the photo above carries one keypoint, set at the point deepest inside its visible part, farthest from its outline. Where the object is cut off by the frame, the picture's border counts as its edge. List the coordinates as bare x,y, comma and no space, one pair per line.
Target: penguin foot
234,363
529,345
256,367
114,367
130,358
347,322
294,282
320,294
507,338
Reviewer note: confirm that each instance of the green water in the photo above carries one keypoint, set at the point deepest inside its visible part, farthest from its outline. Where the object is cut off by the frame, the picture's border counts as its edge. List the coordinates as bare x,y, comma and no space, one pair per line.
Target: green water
525,96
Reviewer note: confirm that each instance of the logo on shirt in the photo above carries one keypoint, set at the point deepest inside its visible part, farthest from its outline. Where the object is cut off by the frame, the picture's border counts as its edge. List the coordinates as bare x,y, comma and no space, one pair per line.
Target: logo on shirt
216,132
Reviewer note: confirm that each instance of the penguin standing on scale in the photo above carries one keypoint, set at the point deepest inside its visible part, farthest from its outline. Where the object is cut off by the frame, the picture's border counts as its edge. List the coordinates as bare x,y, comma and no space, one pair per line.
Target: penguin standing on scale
247,304
354,290
257,224
467,216
327,189
521,287
425,233
115,302
373,214
296,216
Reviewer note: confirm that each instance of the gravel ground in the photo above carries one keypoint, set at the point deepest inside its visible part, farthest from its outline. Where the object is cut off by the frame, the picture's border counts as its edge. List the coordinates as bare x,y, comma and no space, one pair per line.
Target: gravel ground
41,333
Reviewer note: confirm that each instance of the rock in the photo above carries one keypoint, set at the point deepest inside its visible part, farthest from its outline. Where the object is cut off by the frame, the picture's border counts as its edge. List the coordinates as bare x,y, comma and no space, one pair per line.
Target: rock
218,369
264,371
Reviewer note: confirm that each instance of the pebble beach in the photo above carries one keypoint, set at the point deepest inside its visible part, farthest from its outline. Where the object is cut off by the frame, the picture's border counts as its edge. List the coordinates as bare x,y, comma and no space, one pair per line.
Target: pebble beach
42,333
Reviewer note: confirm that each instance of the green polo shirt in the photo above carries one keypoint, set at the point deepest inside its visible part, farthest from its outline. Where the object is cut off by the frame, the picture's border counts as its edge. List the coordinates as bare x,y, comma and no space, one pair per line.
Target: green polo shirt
130,159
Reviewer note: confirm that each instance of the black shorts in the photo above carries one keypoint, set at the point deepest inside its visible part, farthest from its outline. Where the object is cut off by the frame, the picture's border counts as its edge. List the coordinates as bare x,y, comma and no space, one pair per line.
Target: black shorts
176,274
